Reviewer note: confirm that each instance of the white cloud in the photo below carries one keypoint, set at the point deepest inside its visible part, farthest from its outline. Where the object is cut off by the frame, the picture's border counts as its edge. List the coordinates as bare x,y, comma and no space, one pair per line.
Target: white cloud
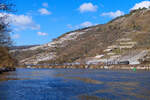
113,14
142,4
2,14
86,24
42,33
88,7
20,19
23,22
44,11
45,4
16,36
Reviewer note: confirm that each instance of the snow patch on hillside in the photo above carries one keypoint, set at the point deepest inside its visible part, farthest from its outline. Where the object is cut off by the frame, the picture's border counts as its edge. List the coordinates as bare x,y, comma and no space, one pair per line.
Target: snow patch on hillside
39,57
71,36
34,59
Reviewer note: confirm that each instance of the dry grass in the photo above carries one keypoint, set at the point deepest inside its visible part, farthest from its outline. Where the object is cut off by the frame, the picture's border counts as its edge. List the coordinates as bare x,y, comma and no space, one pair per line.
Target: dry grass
5,58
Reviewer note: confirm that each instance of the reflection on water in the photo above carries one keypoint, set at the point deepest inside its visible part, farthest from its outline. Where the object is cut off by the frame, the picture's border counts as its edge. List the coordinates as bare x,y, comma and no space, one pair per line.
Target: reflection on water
74,84
87,97
87,80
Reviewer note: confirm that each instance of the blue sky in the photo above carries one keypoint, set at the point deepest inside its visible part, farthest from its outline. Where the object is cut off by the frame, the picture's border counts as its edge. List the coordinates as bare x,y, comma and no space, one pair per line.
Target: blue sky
40,21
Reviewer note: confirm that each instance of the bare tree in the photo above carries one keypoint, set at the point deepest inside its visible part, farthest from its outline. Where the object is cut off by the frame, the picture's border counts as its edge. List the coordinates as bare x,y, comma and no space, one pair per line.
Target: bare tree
6,5
5,40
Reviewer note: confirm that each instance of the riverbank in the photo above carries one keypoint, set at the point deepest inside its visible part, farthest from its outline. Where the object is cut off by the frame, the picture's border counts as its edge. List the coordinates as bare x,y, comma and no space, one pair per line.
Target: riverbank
6,69
113,67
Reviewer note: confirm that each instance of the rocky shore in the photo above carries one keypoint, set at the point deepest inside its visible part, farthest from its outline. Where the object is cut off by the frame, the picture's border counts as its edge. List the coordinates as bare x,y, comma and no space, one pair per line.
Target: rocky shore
113,67
7,69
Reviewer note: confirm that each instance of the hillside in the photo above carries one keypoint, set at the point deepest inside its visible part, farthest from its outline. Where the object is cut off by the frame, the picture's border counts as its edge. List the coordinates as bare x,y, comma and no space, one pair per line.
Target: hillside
124,38
22,47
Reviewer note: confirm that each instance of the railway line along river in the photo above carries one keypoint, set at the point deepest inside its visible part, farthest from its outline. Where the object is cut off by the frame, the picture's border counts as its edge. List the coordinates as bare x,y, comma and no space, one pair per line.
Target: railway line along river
74,84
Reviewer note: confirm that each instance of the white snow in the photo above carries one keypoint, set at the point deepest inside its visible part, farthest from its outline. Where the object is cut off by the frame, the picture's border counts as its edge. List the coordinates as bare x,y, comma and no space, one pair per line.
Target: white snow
99,56
124,39
107,50
71,36
34,59
128,43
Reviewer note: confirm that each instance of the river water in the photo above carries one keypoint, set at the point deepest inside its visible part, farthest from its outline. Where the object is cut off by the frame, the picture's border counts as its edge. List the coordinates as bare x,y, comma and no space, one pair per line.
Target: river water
74,84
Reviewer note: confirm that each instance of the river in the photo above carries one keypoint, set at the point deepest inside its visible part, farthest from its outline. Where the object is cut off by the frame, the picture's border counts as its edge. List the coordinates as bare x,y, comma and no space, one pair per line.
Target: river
74,84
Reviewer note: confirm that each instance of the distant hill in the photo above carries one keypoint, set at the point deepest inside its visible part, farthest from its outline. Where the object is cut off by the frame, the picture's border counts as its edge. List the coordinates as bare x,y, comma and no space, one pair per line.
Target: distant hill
124,38
22,47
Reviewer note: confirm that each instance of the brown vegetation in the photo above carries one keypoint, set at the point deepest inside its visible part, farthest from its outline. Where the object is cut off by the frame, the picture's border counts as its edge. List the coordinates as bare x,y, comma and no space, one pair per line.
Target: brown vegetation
5,59
135,26
101,36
